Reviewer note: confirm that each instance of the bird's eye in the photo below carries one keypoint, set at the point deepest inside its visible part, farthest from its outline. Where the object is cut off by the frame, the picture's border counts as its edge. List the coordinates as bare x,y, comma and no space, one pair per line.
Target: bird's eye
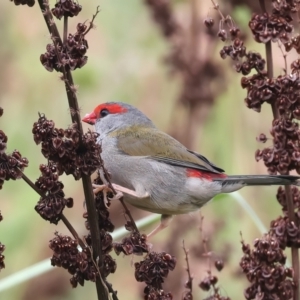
104,112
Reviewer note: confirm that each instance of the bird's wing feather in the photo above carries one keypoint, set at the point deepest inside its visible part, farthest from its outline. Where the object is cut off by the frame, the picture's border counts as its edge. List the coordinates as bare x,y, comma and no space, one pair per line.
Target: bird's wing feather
207,161
159,146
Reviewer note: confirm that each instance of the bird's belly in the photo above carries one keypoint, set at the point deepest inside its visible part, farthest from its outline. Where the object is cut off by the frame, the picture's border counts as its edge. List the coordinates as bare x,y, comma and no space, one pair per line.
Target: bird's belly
165,206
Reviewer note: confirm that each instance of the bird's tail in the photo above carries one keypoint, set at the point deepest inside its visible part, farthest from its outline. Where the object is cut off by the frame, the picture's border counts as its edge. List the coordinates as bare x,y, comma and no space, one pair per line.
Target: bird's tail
235,182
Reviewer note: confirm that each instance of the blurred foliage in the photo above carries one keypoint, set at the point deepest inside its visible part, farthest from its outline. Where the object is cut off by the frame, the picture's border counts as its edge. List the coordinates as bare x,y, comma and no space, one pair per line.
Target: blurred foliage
125,63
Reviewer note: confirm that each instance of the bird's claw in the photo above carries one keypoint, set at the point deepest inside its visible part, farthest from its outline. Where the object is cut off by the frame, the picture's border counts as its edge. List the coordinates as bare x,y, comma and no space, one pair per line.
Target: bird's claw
99,188
102,188
106,189
117,196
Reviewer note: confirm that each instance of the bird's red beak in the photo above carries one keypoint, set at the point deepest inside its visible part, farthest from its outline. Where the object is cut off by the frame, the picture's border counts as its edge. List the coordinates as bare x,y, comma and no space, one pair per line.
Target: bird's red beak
90,118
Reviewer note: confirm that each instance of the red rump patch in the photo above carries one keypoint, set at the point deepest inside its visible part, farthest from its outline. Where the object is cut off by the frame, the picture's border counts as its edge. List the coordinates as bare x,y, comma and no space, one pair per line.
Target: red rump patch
113,108
204,174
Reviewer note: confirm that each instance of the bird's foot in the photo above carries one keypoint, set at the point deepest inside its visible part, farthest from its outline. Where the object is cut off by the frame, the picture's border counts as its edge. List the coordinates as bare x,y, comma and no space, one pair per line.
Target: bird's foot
117,196
102,188
106,189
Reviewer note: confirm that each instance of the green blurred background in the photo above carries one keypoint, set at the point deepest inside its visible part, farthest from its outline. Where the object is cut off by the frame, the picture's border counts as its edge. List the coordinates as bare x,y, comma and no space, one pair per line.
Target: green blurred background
125,63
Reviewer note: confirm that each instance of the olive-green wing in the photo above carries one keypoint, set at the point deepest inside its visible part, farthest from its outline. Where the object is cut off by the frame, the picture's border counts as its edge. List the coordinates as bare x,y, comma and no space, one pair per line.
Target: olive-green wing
159,146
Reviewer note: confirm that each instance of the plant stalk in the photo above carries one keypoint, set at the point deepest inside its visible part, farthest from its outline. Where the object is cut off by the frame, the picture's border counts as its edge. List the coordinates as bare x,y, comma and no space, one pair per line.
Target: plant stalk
86,181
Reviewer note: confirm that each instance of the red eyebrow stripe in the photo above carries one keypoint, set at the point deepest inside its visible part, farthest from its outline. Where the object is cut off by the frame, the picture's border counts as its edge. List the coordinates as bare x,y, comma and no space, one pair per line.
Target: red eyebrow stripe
204,174
112,108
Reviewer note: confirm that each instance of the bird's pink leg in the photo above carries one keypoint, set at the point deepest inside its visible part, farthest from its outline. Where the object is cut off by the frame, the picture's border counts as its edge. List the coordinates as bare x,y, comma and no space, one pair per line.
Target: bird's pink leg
125,190
164,222
119,189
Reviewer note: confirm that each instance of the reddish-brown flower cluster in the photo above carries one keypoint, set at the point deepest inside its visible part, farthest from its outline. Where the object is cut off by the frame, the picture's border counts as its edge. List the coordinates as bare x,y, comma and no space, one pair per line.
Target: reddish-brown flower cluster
281,197
109,265
283,91
71,55
64,148
265,268
135,243
284,155
286,232
153,270
264,265
2,248
252,60
275,26
11,165
294,43
288,93
259,88
51,205
3,141
30,3
188,295
217,296
209,283
78,262
235,51
66,8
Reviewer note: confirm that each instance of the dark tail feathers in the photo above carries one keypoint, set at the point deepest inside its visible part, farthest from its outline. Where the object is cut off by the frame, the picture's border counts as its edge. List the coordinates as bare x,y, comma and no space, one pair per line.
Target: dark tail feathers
260,180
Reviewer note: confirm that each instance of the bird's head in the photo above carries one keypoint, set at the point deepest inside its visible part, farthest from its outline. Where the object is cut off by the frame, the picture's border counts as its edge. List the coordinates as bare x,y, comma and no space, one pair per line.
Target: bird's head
111,116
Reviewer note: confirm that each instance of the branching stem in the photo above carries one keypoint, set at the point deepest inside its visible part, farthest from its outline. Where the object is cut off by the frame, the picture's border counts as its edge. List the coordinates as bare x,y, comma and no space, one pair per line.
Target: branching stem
63,218
75,116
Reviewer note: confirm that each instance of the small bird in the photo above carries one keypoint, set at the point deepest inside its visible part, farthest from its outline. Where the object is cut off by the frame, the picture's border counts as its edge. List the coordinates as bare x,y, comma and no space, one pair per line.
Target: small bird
157,173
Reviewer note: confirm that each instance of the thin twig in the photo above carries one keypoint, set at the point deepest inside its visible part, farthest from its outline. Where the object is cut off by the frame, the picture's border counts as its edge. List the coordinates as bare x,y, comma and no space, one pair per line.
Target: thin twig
111,290
190,277
127,212
284,57
73,231
217,8
92,21
31,184
206,254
